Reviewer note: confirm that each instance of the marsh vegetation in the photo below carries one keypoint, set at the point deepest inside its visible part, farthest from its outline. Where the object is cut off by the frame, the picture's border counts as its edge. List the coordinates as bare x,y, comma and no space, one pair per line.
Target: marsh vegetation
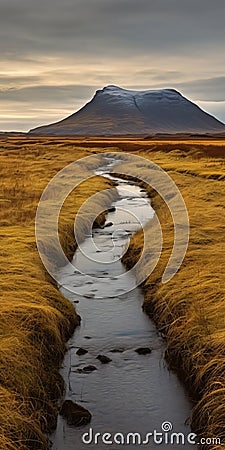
35,317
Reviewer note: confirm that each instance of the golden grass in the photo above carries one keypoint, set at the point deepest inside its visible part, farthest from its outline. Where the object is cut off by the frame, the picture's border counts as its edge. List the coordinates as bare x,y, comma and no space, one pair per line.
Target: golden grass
190,309
35,319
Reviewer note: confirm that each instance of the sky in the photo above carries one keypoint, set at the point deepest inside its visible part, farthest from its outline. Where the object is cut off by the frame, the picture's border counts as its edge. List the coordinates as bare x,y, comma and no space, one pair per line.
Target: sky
54,54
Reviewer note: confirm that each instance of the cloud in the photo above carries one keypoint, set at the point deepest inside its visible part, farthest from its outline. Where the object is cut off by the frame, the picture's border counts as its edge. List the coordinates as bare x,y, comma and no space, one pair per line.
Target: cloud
208,90
217,109
81,27
45,94
55,53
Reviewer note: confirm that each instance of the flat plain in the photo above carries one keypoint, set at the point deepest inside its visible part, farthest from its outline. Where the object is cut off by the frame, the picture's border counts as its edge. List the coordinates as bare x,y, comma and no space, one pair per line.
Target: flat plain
35,317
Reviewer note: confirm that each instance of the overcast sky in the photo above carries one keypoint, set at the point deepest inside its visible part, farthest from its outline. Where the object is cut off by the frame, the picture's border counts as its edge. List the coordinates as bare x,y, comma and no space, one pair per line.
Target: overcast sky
54,54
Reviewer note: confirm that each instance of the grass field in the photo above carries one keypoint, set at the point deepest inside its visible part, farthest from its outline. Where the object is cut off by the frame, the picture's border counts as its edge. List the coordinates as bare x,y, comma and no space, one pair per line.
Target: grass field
36,320
190,309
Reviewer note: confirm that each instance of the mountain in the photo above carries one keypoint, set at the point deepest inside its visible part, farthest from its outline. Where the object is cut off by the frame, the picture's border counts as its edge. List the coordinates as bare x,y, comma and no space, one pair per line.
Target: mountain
117,111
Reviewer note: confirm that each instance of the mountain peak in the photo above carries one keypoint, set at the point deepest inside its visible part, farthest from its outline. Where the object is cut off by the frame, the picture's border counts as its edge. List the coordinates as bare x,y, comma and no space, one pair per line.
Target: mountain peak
113,89
118,111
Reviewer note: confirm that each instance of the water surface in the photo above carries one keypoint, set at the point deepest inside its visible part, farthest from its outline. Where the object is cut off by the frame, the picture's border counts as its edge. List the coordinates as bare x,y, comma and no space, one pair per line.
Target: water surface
133,393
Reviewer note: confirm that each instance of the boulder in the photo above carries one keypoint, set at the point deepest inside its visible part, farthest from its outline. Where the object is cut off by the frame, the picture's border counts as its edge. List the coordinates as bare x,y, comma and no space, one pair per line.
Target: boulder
75,414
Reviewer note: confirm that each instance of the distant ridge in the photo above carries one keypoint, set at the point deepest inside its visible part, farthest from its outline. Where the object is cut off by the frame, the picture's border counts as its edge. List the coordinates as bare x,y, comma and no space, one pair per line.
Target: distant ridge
114,111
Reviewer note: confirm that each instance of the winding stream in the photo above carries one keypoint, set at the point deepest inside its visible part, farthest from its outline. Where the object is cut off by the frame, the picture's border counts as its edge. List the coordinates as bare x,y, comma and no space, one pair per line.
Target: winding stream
133,393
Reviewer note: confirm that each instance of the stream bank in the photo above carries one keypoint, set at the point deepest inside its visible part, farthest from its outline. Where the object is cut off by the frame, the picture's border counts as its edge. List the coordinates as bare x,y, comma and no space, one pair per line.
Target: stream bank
133,393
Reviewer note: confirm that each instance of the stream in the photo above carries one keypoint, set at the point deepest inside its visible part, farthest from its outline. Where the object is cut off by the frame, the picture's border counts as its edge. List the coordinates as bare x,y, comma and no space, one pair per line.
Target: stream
133,393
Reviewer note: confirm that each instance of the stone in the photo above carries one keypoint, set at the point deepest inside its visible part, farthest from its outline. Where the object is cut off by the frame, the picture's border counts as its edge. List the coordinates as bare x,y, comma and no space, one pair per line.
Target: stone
104,359
117,350
143,350
112,209
108,224
75,414
81,351
89,368
89,295
78,319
